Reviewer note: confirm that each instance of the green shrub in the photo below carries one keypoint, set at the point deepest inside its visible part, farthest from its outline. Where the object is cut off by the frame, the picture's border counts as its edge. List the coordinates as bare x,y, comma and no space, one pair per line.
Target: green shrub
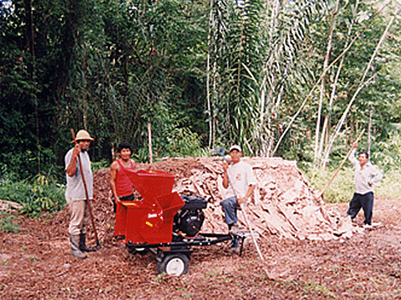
183,142
38,195
388,153
180,142
102,164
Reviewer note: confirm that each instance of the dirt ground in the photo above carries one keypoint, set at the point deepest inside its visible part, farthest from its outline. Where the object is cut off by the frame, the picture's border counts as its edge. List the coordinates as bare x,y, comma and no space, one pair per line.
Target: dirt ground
36,264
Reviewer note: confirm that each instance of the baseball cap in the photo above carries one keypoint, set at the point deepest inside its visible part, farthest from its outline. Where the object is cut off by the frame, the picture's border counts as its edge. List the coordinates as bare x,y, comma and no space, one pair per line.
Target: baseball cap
235,147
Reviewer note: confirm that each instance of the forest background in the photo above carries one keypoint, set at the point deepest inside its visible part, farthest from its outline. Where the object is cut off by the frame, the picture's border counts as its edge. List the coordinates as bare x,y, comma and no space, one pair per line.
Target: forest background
295,79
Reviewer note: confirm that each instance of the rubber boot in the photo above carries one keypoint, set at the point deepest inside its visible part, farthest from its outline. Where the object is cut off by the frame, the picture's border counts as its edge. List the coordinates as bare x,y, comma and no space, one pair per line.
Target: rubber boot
233,230
234,247
82,244
74,240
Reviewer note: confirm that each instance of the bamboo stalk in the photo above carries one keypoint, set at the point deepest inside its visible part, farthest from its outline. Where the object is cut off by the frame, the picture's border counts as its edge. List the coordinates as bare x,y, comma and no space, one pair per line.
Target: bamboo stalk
209,107
370,130
319,148
316,84
333,93
150,144
362,84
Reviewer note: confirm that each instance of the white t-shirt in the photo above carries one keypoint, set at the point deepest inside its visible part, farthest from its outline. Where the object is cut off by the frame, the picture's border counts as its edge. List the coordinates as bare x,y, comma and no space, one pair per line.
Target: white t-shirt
241,176
75,187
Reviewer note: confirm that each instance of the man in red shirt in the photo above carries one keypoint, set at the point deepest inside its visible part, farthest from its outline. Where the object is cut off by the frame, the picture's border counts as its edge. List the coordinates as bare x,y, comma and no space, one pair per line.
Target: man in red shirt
120,184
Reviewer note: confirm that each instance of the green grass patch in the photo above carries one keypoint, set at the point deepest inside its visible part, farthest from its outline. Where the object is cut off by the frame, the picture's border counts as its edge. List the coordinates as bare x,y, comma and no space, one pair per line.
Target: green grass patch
311,287
342,187
8,223
390,185
38,195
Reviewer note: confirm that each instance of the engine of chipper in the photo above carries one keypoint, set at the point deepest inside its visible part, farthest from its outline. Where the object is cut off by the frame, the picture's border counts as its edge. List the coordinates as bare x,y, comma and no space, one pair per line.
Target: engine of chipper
189,219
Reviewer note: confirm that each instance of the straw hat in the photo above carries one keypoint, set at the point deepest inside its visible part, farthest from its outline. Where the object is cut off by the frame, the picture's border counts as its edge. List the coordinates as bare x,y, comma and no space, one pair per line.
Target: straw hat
83,135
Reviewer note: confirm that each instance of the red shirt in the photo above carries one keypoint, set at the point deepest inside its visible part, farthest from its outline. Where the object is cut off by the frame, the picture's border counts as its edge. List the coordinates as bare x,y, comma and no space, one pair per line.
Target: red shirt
123,184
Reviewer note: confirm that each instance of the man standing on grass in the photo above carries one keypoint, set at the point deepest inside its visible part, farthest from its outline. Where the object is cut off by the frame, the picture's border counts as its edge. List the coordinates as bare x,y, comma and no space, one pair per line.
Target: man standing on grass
366,175
240,183
75,192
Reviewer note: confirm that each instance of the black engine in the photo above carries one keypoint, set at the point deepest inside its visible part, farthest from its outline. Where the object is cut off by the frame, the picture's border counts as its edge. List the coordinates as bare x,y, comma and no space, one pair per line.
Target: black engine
190,217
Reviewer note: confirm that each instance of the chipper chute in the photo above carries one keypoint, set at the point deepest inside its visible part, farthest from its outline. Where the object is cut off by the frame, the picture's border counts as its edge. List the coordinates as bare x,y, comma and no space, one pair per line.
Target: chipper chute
149,220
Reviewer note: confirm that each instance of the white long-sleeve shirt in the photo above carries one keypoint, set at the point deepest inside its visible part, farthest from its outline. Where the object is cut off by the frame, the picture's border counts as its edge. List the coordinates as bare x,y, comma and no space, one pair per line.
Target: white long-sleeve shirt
363,177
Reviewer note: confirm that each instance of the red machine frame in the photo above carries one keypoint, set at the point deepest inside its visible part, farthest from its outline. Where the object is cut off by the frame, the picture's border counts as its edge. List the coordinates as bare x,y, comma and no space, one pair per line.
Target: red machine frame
148,223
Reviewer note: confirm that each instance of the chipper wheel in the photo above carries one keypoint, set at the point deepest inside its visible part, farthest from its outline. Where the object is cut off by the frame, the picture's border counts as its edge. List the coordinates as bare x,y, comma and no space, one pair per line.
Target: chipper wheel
140,251
173,264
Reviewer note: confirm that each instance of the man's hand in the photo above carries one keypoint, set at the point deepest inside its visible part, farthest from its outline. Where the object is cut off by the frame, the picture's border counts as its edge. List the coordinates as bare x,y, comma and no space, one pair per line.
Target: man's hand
72,166
76,150
355,145
241,200
225,166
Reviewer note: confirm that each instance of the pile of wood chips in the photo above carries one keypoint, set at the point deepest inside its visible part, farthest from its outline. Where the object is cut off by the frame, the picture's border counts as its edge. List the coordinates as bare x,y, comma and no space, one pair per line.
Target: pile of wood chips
283,203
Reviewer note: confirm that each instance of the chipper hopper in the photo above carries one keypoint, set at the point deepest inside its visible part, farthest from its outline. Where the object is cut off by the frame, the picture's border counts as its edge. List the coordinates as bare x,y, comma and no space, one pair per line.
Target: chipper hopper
164,222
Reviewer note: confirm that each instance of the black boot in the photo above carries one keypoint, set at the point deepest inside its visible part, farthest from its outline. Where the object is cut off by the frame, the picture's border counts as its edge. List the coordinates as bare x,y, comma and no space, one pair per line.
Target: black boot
74,240
82,244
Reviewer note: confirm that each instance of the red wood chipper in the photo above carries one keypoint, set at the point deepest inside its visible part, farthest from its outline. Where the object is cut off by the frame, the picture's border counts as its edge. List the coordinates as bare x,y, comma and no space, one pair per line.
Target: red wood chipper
163,222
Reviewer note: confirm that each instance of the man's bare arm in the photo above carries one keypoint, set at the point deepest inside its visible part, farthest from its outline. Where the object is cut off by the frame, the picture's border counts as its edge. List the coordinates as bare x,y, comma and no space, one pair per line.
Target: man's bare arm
113,176
72,166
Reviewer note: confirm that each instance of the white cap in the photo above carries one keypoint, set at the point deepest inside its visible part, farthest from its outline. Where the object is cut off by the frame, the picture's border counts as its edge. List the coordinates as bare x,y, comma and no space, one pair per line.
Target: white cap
235,147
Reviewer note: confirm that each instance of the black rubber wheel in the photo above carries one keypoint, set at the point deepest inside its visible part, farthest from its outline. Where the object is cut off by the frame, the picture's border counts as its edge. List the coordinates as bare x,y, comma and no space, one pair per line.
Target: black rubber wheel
140,251
174,264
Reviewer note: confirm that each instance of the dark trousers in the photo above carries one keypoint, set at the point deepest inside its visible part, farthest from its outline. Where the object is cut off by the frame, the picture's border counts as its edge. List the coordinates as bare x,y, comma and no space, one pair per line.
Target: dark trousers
230,206
365,202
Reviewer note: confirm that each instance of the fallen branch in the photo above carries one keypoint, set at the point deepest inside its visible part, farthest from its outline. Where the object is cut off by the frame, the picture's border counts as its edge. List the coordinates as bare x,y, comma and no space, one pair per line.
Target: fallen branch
6,205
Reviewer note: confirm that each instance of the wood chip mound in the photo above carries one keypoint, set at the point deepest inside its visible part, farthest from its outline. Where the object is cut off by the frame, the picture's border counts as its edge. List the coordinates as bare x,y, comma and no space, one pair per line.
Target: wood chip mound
283,203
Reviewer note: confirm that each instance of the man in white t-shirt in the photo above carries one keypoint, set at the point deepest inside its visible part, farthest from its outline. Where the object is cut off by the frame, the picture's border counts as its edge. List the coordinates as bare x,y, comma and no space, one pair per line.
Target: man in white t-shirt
240,183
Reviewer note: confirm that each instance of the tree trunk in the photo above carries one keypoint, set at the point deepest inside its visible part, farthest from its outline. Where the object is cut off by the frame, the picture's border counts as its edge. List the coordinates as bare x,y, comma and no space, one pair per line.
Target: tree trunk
209,107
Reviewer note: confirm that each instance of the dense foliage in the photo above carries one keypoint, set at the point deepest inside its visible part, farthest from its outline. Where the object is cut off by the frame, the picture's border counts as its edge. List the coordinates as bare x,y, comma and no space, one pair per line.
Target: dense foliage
296,79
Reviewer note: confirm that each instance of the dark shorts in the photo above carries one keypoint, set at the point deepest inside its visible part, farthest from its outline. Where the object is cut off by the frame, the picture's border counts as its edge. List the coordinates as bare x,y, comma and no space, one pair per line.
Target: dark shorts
125,198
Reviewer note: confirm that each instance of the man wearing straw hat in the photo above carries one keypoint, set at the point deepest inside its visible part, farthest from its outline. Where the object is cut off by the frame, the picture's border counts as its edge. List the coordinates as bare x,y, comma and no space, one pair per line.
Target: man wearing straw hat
366,175
75,192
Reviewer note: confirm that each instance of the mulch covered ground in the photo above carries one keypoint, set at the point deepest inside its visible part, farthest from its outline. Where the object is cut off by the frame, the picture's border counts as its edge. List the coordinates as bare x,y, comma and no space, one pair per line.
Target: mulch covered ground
36,264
